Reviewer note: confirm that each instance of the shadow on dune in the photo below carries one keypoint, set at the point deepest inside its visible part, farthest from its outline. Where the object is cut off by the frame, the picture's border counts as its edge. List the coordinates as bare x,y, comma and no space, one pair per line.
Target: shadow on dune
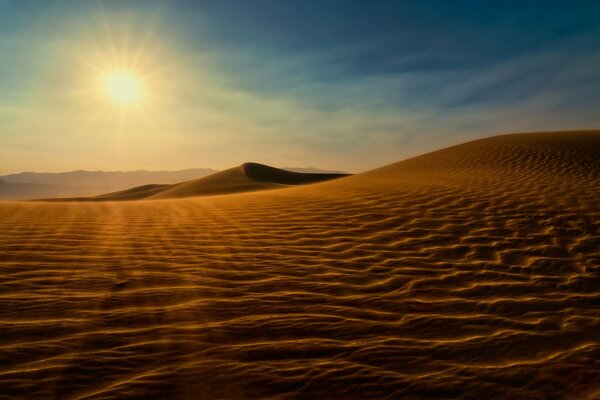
244,178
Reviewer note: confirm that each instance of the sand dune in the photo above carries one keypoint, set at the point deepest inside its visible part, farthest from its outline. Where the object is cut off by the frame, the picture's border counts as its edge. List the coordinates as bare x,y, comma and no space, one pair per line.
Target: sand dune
136,193
471,272
247,177
37,185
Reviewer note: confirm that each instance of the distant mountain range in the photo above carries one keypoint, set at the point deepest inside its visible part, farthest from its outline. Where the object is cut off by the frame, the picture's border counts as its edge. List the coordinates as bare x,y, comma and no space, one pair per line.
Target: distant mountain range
34,185
30,185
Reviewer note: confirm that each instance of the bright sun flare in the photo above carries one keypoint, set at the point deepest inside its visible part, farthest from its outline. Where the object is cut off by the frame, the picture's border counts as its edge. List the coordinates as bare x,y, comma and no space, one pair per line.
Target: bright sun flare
123,87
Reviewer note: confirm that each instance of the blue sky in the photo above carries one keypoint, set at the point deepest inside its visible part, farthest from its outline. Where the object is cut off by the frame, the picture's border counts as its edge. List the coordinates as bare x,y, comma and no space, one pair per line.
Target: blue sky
335,84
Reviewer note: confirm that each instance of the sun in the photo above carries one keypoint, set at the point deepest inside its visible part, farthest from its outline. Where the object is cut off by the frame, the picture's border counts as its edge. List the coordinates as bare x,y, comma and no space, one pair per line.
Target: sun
123,87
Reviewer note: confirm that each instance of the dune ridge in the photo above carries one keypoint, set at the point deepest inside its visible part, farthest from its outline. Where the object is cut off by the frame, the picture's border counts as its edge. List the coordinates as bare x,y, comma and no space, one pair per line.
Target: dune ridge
466,273
243,178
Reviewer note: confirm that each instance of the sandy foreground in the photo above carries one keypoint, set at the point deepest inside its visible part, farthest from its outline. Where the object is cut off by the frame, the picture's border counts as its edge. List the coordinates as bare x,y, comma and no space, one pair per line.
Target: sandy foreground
471,272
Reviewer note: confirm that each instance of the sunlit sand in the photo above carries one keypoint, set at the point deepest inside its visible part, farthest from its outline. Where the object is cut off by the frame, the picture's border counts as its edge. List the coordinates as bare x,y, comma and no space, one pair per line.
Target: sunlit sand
463,272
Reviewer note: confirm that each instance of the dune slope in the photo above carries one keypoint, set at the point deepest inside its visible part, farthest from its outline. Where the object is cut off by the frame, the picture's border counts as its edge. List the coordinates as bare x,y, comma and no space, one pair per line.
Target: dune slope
471,272
244,178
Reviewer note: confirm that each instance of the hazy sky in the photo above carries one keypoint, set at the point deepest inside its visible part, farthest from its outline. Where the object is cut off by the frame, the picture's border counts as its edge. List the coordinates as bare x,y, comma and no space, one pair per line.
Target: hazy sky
347,85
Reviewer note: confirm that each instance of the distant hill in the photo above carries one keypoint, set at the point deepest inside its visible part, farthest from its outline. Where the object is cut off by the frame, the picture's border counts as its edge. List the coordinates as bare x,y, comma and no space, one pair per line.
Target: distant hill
97,178
19,190
29,185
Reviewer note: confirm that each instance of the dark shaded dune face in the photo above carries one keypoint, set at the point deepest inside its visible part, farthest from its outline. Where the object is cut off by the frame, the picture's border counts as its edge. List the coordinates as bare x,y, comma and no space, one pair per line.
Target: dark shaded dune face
264,173
462,281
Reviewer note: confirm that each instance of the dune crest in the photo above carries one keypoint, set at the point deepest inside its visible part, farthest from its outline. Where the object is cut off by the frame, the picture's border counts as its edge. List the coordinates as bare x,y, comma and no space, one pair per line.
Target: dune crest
467,273
247,177
244,178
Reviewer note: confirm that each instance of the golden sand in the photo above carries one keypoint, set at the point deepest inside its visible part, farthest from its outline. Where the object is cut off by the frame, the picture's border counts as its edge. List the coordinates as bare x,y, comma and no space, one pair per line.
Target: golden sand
471,272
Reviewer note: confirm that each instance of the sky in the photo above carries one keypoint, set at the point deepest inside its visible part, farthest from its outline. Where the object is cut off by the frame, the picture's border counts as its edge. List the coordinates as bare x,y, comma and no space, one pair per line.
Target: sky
344,85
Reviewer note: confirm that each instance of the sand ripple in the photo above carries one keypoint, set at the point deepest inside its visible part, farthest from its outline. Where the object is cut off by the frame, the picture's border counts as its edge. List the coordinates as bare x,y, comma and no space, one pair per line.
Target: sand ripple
473,273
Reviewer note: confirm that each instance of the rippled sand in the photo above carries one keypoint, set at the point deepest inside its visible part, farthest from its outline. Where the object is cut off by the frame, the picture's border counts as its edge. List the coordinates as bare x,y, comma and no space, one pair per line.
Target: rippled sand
472,272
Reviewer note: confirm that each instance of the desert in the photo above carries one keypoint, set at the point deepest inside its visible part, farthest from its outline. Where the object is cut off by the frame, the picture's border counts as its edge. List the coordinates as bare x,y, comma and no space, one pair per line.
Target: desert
299,200
459,273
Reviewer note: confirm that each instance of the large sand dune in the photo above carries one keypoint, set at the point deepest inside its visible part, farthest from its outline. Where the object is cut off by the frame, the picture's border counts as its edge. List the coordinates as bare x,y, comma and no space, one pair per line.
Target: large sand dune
248,177
245,178
471,272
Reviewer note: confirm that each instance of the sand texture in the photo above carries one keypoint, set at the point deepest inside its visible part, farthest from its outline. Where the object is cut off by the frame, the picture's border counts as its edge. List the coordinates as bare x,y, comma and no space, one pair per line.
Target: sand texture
471,272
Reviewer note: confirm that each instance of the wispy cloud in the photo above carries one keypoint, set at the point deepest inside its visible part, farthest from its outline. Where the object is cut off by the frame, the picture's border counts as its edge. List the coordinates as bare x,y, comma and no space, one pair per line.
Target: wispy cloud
363,96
